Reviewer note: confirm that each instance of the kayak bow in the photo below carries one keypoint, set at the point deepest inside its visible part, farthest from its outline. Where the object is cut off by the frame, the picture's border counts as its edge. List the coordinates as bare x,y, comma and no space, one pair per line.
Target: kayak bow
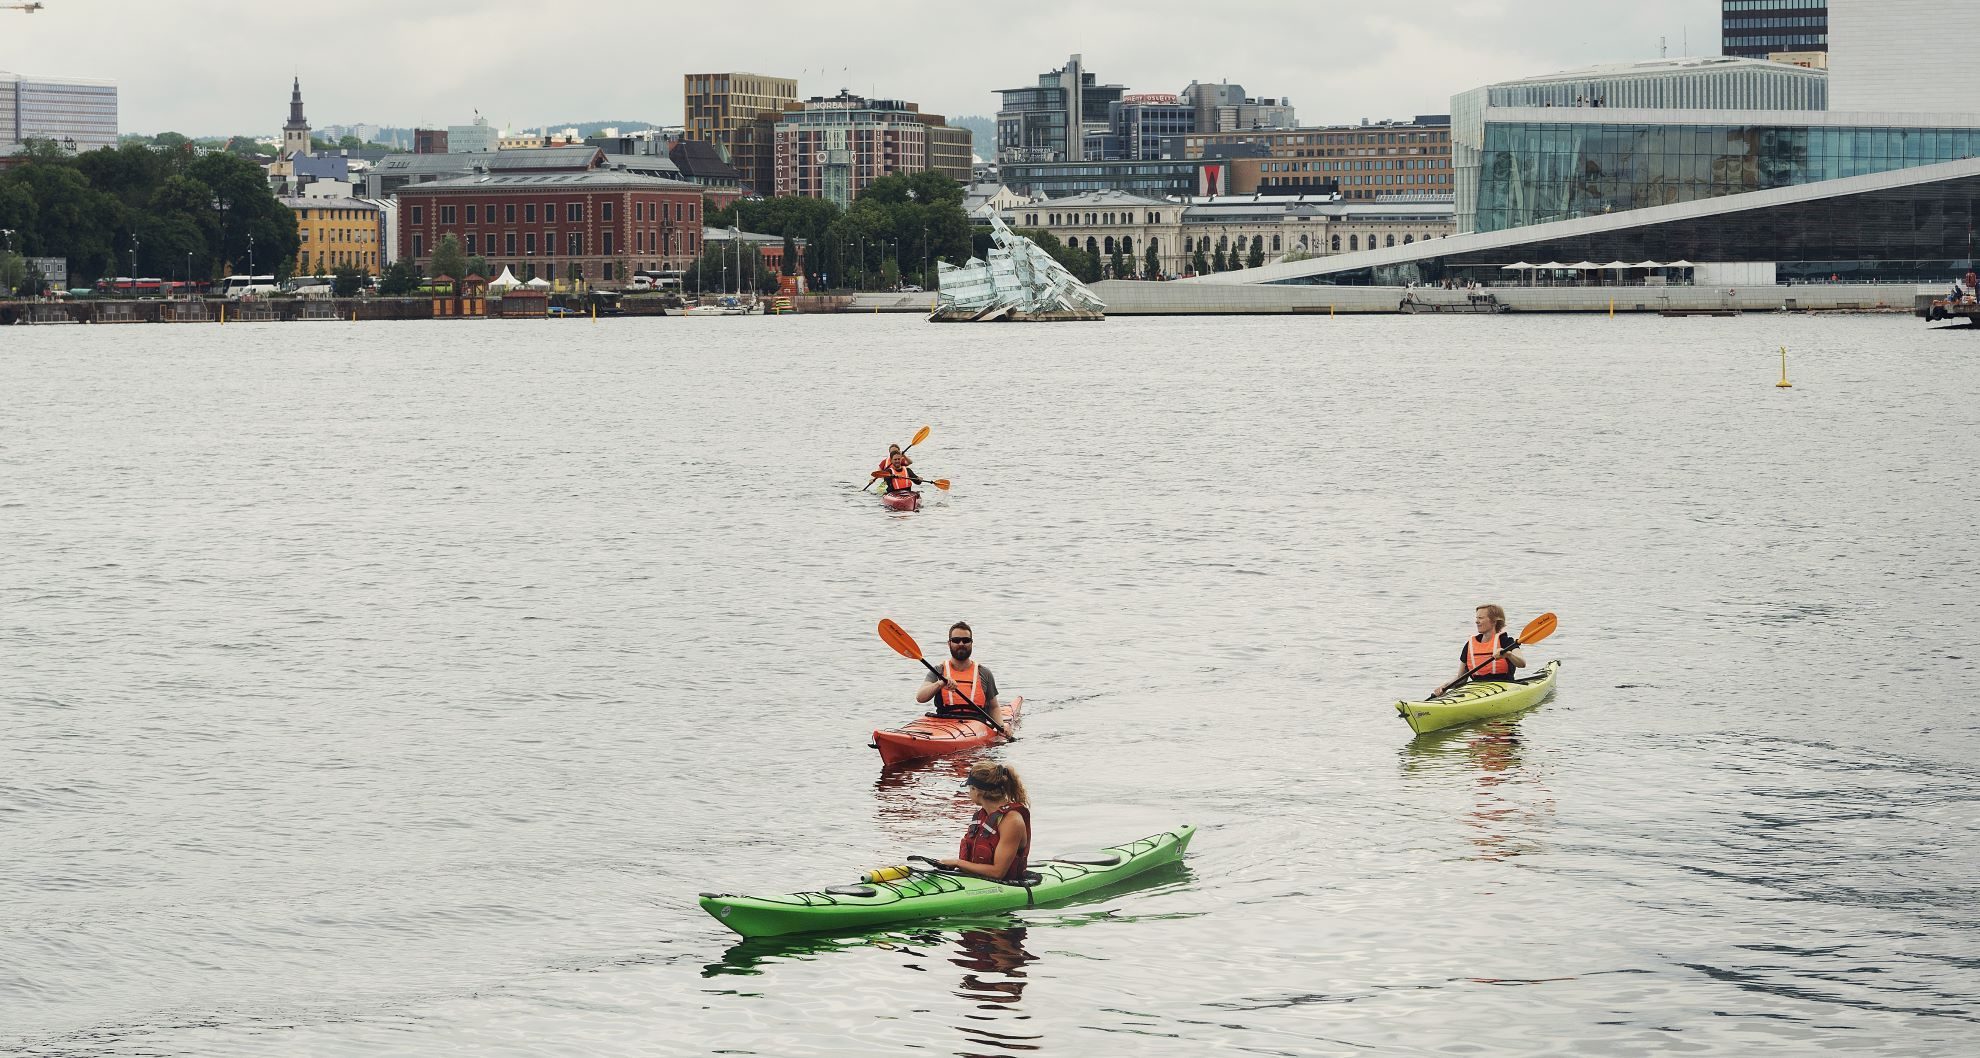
1479,700
933,736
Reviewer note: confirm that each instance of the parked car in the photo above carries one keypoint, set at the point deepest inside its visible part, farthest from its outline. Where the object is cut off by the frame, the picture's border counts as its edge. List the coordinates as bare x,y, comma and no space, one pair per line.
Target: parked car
909,288
560,310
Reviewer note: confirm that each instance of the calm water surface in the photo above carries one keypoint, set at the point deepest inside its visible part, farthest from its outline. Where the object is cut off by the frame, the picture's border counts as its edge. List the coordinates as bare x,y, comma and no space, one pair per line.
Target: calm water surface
392,689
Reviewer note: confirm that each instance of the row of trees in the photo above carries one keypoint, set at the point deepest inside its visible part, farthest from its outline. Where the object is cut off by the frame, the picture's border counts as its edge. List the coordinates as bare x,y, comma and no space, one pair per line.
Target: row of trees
137,210
895,232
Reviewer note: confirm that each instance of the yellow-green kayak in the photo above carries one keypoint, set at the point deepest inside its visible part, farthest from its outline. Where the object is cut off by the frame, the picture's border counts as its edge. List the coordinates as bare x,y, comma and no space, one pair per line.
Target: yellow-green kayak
1479,701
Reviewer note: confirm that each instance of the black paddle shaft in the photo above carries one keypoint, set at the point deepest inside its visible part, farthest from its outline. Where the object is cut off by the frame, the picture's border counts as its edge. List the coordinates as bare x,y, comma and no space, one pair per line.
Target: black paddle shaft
980,711
1460,680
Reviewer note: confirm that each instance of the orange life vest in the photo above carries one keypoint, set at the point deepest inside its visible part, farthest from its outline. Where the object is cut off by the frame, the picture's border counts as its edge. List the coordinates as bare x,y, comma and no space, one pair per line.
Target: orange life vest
979,843
1476,653
896,477
946,701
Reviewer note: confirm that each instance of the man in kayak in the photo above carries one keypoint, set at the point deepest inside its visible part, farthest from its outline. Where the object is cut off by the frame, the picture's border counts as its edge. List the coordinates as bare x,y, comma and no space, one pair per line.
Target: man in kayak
895,473
1493,648
964,683
998,842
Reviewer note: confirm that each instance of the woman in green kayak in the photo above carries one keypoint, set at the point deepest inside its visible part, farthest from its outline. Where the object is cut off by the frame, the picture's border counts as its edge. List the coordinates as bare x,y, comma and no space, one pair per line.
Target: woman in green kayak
1493,652
998,842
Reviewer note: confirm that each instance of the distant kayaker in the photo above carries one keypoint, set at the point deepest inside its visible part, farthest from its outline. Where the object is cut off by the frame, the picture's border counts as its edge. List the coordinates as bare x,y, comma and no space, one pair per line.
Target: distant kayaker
894,471
1493,647
965,687
998,841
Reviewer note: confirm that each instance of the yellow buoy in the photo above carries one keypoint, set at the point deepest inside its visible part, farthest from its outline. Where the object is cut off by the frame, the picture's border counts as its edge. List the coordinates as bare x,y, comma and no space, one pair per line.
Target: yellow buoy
1784,383
1612,308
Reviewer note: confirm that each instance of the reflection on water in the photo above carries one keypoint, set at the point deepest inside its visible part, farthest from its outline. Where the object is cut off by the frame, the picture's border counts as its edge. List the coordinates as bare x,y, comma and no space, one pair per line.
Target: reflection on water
909,798
1510,802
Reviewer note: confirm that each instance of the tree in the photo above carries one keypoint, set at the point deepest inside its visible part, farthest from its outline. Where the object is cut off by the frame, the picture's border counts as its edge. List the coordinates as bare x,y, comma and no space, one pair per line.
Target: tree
1256,258
1118,267
400,279
350,143
448,260
13,273
346,282
1151,263
1197,265
1217,263
477,266
790,253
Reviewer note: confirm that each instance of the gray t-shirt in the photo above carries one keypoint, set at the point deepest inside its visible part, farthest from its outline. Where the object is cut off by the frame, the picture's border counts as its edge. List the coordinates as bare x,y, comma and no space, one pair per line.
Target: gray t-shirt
983,676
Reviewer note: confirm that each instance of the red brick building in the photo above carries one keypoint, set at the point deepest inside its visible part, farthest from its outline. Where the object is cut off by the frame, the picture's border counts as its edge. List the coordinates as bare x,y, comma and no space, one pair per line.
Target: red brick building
599,226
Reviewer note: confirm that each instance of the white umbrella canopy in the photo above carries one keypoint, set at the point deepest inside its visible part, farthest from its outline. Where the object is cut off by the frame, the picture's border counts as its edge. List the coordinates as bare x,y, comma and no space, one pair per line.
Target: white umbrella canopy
1583,266
1680,264
1618,264
1646,264
1521,266
1553,265
538,283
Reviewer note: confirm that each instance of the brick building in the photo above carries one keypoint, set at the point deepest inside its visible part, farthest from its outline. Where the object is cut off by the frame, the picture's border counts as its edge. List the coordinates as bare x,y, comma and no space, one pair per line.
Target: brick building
1365,162
599,226
834,148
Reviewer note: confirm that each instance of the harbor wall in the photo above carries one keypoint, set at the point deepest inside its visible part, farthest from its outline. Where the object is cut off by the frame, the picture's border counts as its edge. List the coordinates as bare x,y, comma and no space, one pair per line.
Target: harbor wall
1131,298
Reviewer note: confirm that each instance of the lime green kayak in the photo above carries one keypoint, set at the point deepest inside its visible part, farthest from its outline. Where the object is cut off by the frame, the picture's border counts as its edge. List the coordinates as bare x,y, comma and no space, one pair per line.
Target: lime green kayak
936,894
1479,701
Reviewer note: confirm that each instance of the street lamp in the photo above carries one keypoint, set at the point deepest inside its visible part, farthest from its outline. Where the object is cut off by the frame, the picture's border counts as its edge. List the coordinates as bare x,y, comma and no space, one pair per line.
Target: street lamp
927,257
188,275
134,270
250,257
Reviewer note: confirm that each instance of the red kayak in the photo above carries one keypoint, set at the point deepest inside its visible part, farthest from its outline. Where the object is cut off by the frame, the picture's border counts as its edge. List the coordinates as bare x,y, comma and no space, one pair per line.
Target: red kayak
933,736
901,501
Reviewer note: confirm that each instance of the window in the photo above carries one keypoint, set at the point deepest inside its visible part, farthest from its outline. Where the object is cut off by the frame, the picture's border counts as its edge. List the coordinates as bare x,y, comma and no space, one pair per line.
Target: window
509,242
446,214
574,212
471,243
529,213
606,247
605,213
577,244
529,242
509,217
419,214
470,214
549,244
419,245
608,266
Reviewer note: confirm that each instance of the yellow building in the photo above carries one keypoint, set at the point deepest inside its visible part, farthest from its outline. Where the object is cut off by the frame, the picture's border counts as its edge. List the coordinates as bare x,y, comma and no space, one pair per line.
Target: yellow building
726,109
337,233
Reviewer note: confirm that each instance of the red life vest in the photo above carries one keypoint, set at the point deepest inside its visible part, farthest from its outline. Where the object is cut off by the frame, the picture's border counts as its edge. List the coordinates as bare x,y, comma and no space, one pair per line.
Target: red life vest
896,477
1476,653
947,703
979,843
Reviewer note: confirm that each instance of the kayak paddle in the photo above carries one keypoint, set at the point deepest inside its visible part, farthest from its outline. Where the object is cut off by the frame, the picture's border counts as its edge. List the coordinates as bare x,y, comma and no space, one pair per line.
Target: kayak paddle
919,436
940,483
895,636
1536,630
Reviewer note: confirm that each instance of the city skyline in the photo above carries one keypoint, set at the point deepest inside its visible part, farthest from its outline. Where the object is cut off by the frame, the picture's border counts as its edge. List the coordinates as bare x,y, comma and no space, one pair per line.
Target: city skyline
1355,64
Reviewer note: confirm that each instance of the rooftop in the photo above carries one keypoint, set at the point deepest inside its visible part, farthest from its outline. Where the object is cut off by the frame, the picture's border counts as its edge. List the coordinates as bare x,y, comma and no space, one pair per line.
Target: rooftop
1718,63
594,178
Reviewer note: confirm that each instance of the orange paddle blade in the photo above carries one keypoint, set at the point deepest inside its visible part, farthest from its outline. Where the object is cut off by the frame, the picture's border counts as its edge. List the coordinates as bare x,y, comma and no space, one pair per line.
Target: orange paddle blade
941,483
1539,628
919,436
895,636
879,473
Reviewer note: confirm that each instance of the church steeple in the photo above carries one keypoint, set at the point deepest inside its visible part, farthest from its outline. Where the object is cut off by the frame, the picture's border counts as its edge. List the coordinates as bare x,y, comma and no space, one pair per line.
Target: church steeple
295,134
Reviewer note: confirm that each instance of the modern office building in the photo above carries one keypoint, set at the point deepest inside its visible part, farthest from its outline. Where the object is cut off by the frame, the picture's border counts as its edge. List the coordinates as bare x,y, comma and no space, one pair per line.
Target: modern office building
1049,121
74,114
1224,107
1366,162
477,138
1492,127
1757,29
1140,123
724,108
597,226
1155,179
835,147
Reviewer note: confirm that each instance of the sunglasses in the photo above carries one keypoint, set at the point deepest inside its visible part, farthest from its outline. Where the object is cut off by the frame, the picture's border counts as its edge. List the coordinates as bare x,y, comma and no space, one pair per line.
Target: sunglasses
961,639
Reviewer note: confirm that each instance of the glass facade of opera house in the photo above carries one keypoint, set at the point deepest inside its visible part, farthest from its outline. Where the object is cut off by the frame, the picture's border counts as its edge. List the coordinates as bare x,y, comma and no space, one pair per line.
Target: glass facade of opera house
1536,172
1921,233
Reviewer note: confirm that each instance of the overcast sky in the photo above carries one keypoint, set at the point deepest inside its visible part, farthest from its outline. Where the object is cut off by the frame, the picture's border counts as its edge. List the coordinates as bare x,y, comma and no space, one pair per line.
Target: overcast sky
208,67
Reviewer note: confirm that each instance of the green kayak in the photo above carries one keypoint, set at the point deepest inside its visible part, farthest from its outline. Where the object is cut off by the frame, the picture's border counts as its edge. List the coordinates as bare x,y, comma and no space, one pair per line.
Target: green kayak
1479,700
935,894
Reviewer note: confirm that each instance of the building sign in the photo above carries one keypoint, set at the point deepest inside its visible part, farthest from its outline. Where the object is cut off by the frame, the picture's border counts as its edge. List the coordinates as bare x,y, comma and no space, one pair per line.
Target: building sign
1213,180
1149,97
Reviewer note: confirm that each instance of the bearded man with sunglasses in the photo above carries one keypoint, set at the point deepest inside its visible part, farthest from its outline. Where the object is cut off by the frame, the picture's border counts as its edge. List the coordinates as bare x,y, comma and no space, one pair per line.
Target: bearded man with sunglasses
964,687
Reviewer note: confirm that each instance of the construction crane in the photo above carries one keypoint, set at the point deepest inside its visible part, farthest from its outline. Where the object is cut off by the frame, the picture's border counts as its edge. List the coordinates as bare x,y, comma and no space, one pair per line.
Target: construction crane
25,9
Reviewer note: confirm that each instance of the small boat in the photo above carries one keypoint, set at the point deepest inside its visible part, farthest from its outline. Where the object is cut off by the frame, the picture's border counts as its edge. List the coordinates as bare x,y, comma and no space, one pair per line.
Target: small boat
901,501
1479,700
934,736
913,894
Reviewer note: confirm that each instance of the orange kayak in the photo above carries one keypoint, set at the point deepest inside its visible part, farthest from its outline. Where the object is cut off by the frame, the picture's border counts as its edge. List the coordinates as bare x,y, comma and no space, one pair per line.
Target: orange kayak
901,501
934,736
